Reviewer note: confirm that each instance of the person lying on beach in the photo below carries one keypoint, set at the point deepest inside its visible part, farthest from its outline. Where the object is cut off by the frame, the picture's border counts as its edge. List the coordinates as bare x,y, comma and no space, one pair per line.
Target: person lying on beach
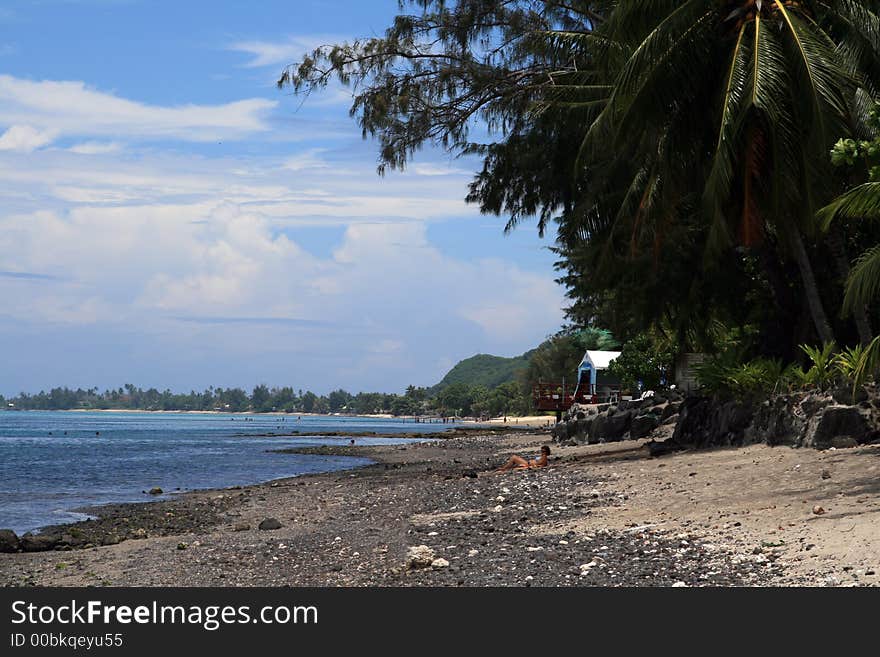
516,462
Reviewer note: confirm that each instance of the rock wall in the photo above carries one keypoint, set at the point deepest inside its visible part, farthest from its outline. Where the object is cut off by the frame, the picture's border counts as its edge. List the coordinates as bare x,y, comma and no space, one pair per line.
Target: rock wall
626,420
807,419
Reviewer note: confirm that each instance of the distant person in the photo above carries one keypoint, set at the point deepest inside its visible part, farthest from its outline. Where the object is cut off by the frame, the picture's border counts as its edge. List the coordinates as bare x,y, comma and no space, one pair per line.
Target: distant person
516,462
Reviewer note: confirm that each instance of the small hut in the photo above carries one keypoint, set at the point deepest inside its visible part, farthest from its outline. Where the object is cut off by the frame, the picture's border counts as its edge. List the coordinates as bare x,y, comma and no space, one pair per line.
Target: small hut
593,380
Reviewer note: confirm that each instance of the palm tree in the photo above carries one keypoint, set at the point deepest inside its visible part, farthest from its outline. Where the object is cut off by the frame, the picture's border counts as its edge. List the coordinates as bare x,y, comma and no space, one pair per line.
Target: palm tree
861,202
737,102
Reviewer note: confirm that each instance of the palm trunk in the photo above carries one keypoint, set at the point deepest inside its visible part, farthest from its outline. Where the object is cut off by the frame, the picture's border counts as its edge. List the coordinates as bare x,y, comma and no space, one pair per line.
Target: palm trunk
838,252
811,290
778,329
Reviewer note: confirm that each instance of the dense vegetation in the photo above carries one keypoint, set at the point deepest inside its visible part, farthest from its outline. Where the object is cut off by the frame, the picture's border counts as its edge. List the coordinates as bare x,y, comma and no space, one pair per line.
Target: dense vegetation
680,150
485,370
488,386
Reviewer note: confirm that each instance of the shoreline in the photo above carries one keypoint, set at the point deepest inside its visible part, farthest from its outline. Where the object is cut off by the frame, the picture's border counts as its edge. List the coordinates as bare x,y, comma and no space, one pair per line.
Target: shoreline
528,421
733,516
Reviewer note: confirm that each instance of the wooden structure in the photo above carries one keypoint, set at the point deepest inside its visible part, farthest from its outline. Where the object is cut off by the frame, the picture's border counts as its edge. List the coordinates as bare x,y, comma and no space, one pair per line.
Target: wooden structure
594,386
558,397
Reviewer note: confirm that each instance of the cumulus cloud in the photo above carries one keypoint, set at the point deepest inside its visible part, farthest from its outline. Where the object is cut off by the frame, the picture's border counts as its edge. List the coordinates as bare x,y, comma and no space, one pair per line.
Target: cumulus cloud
405,305
180,256
72,108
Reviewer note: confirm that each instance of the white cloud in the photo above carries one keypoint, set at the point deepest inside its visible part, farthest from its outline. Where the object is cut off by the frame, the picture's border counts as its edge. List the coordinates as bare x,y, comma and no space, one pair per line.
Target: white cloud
274,53
435,170
96,148
71,108
25,139
308,159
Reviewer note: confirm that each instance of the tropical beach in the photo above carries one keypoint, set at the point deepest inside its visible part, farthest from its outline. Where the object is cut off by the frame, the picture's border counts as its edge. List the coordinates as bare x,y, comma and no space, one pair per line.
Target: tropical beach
461,293
599,515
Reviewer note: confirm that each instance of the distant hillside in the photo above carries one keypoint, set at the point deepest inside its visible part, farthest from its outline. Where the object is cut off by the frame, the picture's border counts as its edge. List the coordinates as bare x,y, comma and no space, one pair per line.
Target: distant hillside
484,370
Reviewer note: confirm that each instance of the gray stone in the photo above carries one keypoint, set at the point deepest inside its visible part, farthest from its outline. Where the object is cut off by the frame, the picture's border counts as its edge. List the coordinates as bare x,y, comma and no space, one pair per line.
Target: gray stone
270,524
844,442
669,410
814,402
671,420
419,556
844,395
642,425
610,427
37,542
8,541
835,422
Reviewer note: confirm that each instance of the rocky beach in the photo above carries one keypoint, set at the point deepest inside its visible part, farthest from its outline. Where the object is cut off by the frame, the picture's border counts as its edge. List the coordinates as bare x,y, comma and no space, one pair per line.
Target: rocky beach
436,513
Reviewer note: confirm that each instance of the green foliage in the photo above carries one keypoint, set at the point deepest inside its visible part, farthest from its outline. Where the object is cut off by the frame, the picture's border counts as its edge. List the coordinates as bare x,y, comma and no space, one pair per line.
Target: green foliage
484,370
725,376
460,398
660,137
868,364
822,373
643,360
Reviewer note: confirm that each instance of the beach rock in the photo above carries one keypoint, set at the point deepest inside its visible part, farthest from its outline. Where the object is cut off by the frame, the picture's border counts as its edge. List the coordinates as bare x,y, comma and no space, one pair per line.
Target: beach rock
818,510
439,563
835,422
672,420
8,541
242,527
844,395
704,422
814,402
270,524
669,410
156,491
38,542
420,556
844,442
643,425
70,541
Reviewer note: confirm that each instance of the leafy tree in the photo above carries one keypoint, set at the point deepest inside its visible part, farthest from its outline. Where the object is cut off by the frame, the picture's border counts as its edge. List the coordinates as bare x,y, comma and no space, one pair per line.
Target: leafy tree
657,134
261,399
642,361
309,399
338,400
322,405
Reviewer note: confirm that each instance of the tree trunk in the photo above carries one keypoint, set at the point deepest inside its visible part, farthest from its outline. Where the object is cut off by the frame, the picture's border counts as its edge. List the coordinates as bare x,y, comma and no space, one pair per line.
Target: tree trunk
811,290
782,340
841,262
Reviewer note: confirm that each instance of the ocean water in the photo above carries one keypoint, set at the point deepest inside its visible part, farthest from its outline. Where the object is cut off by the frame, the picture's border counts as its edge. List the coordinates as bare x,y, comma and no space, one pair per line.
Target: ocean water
53,462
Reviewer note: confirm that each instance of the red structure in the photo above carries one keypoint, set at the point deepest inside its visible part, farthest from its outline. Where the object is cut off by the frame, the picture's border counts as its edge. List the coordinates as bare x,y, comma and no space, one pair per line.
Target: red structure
559,398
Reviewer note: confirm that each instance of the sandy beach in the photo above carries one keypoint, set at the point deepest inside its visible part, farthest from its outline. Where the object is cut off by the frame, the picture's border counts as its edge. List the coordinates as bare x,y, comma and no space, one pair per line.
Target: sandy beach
598,515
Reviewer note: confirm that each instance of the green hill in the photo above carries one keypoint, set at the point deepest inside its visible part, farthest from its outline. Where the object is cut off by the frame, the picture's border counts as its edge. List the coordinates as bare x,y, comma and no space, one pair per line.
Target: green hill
484,370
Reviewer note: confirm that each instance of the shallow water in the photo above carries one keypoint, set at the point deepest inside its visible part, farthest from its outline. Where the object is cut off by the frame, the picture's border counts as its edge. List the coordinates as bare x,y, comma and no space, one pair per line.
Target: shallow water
52,462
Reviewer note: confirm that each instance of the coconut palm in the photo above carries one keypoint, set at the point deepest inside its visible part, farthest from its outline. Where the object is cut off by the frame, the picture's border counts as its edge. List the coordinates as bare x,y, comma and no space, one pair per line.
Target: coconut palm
738,101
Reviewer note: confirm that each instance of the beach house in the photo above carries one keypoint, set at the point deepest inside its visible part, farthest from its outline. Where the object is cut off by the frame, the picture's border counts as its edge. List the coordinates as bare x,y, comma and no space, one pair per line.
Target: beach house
593,378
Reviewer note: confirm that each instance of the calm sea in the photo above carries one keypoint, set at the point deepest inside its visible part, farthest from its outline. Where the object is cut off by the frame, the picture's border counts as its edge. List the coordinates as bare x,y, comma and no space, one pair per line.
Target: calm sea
52,462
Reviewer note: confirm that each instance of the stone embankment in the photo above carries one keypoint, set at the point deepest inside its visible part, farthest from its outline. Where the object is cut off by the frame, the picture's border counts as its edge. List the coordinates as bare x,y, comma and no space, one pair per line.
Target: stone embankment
625,420
818,419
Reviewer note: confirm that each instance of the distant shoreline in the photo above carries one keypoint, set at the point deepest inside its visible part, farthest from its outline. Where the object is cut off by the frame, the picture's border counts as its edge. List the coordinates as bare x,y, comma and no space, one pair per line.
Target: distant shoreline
534,421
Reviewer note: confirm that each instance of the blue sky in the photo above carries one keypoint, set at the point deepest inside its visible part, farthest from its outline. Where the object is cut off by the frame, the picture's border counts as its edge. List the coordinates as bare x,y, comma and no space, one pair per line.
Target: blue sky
169,218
